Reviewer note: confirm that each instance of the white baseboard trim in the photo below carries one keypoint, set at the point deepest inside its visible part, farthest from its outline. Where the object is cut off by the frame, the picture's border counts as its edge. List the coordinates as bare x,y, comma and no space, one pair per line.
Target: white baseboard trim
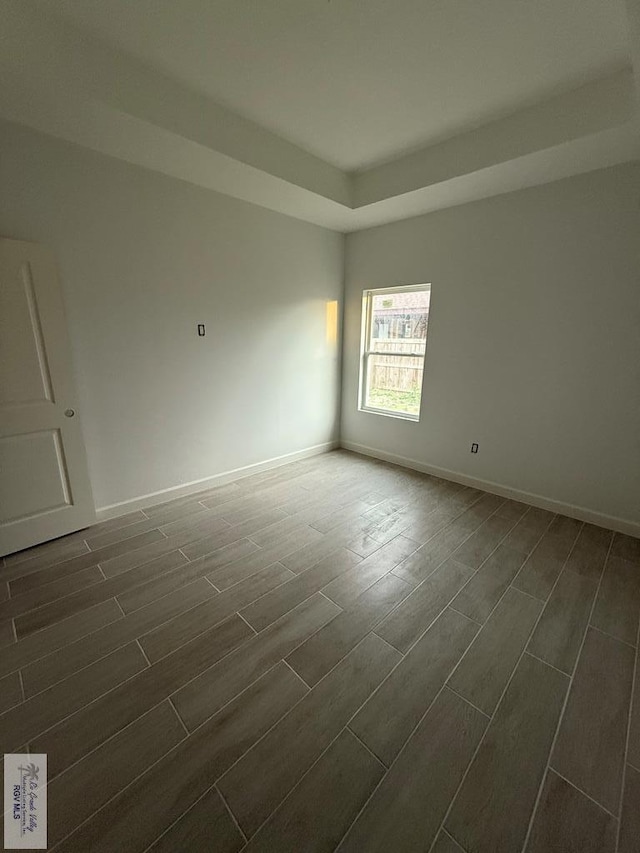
114,510
611,522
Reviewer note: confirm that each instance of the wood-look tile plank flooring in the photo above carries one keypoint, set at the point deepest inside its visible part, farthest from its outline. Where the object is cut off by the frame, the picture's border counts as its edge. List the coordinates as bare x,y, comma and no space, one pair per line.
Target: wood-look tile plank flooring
335,655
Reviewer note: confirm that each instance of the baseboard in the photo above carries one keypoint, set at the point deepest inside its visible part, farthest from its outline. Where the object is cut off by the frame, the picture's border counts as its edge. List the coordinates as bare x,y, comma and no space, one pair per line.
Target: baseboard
611,522
184,489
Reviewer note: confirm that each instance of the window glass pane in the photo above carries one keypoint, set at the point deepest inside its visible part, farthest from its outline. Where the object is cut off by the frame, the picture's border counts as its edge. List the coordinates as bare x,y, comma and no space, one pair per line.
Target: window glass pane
399,321
394,383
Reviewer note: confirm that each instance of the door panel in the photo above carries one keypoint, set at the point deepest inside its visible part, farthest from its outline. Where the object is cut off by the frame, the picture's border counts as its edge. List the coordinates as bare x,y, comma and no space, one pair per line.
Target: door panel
23,341
44,482
34,464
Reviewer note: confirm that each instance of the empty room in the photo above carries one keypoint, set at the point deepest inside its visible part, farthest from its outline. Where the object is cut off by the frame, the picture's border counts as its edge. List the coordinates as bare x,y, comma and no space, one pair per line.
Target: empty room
320,426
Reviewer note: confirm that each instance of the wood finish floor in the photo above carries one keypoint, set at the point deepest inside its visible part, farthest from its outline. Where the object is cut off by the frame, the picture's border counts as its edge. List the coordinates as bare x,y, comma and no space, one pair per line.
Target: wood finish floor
335,655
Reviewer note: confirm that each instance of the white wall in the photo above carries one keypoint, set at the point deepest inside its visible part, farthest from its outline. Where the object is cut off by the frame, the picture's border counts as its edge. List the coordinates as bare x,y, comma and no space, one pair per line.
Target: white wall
534,342
534,339
143,259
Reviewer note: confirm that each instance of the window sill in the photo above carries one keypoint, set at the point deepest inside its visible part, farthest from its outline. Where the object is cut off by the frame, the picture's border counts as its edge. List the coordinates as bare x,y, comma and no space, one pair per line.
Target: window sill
402,416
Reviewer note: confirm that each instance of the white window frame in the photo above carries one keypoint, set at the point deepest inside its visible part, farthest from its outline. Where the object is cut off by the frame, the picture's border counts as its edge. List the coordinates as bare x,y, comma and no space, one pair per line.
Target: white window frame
366,352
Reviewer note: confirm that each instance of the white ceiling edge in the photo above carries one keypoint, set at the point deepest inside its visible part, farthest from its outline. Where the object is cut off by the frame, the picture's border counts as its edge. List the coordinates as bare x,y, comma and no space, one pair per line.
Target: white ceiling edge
51,57
596,151
118,134
79,90
591,108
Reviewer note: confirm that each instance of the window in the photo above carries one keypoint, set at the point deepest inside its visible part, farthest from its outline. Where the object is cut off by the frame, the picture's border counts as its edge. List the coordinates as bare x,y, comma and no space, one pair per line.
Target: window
394,340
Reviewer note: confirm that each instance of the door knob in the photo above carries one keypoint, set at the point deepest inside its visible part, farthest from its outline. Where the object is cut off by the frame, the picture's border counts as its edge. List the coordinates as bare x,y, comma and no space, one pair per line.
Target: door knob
69,413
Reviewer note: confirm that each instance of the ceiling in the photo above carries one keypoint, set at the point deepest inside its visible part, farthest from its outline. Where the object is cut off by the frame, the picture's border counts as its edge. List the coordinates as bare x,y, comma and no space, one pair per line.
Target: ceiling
344,113
359,82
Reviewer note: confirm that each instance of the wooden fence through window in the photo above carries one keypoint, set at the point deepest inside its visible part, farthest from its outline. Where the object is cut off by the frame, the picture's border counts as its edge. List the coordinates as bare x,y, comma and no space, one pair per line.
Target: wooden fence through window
396,374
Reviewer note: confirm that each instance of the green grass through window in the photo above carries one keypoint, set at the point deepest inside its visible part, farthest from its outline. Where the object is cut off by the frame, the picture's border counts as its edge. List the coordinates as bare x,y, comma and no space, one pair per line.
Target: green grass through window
395,401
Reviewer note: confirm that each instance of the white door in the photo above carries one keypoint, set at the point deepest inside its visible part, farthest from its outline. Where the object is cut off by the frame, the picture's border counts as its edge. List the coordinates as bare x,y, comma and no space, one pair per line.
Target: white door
44,482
